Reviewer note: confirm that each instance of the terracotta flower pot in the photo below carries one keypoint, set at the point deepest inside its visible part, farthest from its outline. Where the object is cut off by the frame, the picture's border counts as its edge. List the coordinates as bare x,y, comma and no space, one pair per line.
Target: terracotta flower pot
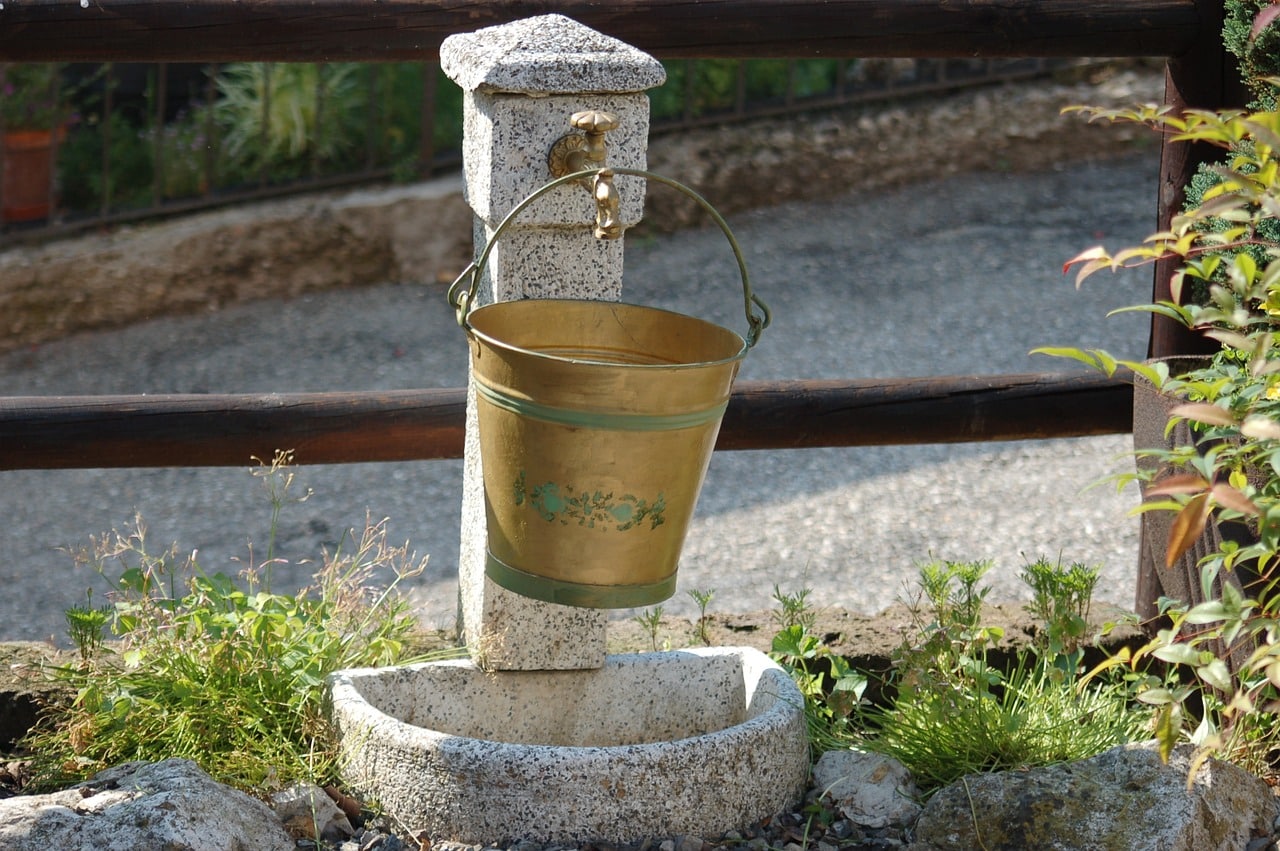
26,191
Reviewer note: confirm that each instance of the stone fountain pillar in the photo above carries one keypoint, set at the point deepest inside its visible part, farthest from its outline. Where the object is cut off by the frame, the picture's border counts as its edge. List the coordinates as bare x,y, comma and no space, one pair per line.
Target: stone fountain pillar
541,736
521,82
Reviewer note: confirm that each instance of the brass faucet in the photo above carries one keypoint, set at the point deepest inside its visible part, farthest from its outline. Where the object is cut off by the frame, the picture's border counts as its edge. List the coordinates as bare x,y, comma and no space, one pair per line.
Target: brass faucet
588,150
608,225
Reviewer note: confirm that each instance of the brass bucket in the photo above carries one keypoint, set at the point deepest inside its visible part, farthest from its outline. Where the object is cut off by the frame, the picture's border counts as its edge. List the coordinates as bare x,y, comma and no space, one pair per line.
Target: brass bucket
596,422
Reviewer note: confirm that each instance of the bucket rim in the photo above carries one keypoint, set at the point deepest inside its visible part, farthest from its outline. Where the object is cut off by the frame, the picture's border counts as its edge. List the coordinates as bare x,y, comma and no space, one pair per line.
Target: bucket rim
739,355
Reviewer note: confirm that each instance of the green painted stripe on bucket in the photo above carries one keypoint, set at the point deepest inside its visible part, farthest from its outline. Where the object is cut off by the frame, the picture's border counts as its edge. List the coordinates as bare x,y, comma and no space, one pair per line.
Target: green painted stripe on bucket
597,419
575,593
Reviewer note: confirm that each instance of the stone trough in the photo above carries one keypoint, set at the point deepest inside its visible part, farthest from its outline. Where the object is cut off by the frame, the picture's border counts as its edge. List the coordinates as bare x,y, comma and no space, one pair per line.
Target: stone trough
691,741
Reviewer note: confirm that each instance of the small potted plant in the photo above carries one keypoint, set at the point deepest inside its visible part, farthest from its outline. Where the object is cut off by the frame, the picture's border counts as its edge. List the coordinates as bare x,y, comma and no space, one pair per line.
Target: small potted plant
32,117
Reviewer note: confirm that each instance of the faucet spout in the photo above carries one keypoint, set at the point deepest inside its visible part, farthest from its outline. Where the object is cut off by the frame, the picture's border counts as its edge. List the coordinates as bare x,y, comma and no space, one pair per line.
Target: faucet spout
608,225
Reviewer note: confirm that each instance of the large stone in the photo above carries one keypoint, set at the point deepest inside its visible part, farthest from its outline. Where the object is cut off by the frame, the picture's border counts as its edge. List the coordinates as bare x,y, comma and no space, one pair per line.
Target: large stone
868,789
163,806
1124,798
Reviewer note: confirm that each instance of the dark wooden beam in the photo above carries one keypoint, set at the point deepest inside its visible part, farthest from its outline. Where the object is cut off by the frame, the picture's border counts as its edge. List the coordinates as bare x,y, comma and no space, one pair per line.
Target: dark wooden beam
72,432
373,30
900,411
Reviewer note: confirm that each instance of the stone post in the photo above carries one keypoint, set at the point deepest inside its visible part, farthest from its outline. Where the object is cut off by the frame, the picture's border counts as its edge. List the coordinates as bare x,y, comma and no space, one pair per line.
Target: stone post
521,83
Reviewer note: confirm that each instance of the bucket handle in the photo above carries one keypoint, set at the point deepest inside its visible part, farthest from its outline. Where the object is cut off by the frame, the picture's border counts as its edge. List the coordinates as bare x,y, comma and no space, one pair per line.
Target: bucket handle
462,292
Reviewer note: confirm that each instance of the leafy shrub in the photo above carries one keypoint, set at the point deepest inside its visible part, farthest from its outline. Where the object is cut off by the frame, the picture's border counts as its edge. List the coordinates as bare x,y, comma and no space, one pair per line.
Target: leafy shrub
280,118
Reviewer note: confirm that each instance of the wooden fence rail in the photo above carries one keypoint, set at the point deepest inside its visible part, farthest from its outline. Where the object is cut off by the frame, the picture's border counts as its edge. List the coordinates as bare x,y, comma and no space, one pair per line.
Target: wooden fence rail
361,30
65,432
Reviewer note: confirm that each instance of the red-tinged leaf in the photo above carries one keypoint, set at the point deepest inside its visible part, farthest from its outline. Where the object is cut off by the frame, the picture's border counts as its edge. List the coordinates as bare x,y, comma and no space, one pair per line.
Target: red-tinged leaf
1263,20
1233,339
1093,266
1178,483
1095,253
1187,528
1229,497
1203,412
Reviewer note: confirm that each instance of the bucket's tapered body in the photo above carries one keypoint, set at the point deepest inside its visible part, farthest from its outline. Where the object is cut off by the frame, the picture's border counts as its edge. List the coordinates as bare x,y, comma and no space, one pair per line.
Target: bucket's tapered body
597,421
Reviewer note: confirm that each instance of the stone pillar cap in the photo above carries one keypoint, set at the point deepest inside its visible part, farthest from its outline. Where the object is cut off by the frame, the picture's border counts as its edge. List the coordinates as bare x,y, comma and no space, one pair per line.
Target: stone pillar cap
548,54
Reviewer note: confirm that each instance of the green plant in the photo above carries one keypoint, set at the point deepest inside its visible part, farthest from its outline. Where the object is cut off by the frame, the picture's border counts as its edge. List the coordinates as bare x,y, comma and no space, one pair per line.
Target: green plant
703,599
85,625
710,85
831,688
31,96
1060,598
651,620
286,118
127,180
188,162
227,673
1030,716
793,609
1231,401
1247,33
949,644
956,712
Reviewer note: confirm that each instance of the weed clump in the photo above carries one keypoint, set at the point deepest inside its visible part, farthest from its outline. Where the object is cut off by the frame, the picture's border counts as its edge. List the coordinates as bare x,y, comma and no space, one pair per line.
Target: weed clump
953,711
218,669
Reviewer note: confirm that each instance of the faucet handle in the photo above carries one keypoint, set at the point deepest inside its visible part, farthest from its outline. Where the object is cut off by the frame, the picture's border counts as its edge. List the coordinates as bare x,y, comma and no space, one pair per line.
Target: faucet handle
593,122
583,150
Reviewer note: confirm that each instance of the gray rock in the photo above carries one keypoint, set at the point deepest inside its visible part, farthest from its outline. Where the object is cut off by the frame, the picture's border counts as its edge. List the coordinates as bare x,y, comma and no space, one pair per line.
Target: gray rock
1123,798
164,806
867,789
308,812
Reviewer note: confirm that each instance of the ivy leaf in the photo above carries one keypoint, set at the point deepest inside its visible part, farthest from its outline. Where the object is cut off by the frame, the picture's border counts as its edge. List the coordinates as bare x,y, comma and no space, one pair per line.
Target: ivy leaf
1166,730
1273,672
794,641
1179,654
1216,675
1213,611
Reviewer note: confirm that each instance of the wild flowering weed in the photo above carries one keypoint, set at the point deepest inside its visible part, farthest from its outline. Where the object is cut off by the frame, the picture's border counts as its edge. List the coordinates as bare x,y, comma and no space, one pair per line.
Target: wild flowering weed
219,669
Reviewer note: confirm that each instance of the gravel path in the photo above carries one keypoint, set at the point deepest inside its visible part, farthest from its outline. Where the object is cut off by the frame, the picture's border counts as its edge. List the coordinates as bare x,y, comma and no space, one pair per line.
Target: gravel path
957,277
